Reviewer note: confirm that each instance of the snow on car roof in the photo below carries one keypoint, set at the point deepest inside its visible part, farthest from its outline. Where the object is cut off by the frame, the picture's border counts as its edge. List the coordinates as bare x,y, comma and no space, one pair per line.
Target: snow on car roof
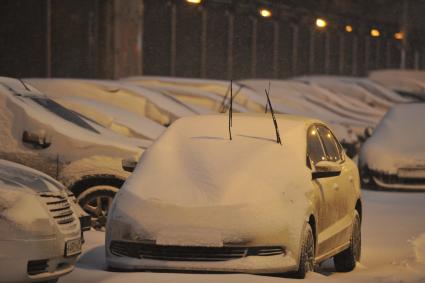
195,163
398,140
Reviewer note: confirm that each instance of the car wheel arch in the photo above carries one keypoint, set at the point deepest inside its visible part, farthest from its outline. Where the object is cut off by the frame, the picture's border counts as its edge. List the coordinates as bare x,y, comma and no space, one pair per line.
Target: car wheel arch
312,222
89,181
359,208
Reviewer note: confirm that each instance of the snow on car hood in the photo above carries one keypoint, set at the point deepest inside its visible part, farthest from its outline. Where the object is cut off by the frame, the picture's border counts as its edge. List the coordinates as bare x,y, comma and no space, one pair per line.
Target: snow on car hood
398,141
194,180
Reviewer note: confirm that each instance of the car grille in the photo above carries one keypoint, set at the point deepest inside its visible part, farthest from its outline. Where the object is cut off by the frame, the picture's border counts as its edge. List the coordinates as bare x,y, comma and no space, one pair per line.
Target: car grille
59,208
189,253
395,179
35,267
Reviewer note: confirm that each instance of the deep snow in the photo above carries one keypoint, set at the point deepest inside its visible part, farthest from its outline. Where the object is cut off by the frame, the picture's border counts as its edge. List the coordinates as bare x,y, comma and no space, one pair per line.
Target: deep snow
393,250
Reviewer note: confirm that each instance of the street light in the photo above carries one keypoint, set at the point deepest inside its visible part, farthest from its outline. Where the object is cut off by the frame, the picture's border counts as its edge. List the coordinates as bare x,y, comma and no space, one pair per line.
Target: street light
321,23
348,28
375,32
399,35
194,1
265,13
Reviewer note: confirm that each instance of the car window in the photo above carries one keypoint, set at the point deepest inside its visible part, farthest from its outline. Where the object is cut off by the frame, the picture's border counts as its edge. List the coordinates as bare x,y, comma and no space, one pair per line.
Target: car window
331,145
63,112
314,146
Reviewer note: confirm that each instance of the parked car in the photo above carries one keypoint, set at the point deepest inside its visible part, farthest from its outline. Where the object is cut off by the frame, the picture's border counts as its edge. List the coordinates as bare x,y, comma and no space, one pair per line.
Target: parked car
394,156
199,201
408,83
39,228
87,158
112,106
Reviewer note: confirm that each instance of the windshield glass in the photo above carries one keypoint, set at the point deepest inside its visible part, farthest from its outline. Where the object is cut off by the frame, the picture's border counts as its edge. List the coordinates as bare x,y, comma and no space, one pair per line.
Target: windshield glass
63,112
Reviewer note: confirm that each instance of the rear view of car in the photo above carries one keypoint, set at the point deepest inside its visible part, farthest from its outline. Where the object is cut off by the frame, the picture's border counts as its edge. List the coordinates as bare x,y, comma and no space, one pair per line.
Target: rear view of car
40,235
394,156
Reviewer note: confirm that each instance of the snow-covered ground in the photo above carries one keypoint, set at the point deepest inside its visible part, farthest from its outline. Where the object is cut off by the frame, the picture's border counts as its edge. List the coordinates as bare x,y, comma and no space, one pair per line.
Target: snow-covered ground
393,250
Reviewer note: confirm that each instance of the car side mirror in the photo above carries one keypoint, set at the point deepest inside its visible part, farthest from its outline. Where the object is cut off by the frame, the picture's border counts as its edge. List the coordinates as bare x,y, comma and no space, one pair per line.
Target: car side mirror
129,164
37,140
326,169
368,131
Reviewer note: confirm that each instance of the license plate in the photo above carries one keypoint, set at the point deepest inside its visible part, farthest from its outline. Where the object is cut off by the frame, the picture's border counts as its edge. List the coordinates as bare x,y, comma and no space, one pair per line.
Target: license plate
73,247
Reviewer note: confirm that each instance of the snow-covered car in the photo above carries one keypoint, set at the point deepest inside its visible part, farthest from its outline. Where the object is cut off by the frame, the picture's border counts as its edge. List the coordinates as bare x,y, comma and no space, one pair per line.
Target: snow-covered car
408,83
87,158
39,228
199,201
394,156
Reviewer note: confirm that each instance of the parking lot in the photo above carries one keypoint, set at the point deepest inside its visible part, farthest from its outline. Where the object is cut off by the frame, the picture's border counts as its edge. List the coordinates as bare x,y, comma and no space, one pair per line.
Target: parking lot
393,250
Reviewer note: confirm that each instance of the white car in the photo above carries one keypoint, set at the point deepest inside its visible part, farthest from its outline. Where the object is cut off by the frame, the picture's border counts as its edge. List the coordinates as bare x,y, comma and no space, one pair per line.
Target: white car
87,158
199,201
39,228
394,156
408,83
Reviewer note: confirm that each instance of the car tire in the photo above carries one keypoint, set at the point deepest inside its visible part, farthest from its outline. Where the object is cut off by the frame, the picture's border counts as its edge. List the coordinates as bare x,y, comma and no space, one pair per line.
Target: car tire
307,254
346,260
96,201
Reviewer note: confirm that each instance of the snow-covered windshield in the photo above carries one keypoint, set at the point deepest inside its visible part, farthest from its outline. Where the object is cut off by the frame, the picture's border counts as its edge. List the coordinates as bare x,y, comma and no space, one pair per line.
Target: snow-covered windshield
63,112
15,176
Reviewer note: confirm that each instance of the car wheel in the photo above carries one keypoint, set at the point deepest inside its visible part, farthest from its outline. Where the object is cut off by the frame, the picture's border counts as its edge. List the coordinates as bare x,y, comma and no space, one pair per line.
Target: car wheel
346,260
96,201
307,254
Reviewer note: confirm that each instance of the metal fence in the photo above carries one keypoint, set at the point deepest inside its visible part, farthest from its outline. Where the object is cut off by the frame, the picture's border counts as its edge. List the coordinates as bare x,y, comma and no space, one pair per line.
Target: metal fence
219,39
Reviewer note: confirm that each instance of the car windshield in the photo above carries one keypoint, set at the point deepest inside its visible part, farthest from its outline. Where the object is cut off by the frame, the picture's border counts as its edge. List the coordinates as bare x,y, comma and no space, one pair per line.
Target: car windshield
63,112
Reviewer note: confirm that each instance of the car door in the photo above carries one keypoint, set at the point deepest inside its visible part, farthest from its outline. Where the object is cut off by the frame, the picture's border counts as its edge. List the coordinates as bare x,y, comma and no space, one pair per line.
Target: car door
341,188
325,192
24,139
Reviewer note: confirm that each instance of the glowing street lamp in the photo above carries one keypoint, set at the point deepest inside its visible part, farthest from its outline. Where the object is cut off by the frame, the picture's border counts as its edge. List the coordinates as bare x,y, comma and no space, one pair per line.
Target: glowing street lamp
265,13
194,1
399,35
321,23
375,32
348,28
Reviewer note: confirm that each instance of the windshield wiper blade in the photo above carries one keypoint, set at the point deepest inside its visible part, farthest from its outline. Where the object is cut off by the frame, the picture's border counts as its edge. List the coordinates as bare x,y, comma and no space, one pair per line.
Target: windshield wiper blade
278,140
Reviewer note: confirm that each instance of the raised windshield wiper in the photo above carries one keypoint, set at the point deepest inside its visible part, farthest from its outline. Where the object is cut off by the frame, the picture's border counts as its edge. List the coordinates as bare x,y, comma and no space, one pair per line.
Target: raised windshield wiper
223,107
231,110
278,140
25,86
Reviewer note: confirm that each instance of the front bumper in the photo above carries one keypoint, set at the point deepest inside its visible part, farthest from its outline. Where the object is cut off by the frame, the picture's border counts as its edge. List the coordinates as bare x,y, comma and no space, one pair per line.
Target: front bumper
33,260
381,180
227,259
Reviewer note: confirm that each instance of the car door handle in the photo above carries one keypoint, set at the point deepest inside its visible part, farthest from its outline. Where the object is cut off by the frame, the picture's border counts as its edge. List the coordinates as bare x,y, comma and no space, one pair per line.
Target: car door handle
335,187
350,178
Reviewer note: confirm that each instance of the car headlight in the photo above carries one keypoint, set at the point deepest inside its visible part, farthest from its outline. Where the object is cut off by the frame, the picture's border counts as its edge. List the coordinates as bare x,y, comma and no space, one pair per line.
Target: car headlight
22,215
121,230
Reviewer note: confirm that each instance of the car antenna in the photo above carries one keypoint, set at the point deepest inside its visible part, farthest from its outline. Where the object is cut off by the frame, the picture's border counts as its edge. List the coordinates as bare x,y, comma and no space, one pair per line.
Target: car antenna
231,109
278,140
22,82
